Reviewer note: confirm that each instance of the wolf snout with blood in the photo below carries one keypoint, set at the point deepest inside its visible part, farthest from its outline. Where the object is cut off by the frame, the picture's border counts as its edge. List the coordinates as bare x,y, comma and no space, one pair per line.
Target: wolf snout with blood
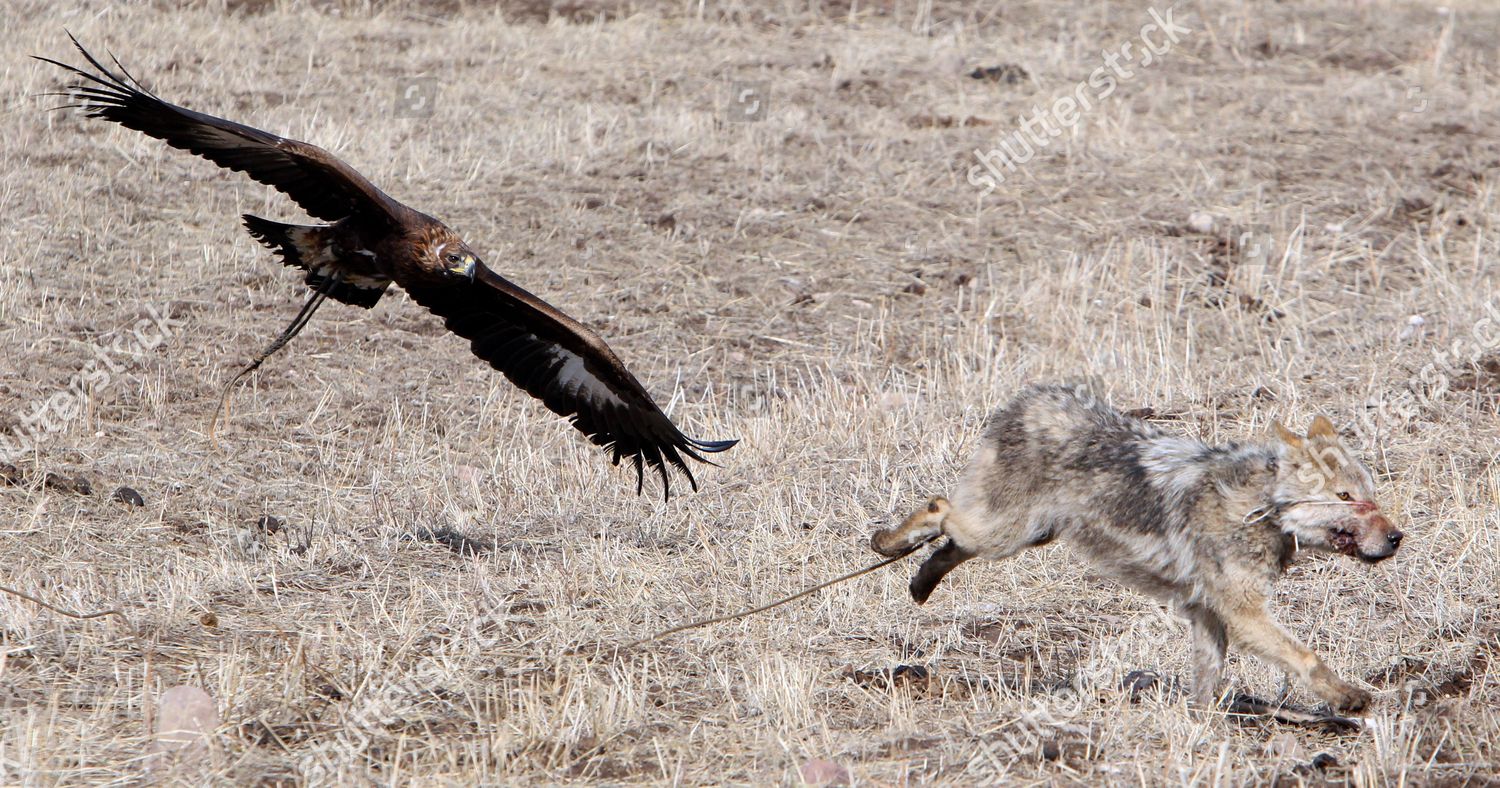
1208,528
1330,502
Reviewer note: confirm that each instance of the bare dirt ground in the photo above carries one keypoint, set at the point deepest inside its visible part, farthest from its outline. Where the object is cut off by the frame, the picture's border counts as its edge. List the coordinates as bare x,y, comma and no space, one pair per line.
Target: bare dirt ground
824,283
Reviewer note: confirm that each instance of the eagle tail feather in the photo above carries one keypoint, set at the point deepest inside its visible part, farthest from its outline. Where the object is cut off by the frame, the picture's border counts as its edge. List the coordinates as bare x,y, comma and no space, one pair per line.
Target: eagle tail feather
308,247
712,447
299,245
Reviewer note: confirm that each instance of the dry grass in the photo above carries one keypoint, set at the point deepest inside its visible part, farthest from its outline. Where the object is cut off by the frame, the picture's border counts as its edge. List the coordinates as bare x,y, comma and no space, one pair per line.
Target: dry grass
823,284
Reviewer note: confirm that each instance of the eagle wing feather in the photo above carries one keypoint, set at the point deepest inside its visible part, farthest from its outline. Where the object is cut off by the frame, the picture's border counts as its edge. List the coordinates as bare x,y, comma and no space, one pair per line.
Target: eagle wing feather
559,361
325,186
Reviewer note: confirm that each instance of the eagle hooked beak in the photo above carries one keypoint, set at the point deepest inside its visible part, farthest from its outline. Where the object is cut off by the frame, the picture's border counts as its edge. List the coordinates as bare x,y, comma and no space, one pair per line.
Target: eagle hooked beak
468,267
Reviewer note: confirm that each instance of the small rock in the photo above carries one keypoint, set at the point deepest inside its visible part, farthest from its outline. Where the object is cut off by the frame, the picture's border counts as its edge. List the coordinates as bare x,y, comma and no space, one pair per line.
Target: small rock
1320,763
1201,222
469,474
1007,73
74,484
128,496
249,541
1140,681
819,771
910,674
459,543
1285,747
185,721
1413,327
666,222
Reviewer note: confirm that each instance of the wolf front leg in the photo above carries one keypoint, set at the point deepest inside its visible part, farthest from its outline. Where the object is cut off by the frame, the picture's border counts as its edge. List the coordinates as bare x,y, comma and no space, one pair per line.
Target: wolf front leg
1252,628
1210,642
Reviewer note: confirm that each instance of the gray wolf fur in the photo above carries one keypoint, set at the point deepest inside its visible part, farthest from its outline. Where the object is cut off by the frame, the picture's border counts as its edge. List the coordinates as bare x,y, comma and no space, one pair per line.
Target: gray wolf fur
1207,528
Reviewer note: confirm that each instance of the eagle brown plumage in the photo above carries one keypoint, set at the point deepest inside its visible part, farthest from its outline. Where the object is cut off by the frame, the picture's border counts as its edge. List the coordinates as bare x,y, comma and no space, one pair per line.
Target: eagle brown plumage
373,241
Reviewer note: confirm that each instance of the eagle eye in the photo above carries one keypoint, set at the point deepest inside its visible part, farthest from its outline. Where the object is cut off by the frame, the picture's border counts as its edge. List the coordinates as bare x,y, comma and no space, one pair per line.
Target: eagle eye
454,257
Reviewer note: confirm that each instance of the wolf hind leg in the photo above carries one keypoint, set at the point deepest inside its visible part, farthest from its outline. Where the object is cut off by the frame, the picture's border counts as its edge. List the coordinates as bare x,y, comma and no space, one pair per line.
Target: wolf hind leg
944,560
992,543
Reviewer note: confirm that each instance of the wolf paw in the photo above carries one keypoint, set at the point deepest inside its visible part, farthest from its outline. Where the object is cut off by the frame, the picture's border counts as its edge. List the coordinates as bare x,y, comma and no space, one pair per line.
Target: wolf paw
1347,697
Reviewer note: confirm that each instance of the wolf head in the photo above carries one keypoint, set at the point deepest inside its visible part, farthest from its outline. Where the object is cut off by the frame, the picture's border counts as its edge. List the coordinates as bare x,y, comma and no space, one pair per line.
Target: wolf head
1328,495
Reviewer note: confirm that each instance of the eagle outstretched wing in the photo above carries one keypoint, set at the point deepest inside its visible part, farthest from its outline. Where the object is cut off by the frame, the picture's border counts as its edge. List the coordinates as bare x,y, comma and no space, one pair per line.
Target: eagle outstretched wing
315,179
550,355
565,365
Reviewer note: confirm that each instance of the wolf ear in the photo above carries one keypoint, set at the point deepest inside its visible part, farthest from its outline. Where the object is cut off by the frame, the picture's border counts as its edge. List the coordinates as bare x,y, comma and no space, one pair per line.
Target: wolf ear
1288,437
1321,428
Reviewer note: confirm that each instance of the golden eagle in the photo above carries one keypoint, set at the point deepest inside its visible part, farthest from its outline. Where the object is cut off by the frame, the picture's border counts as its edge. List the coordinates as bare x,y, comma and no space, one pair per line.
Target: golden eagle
373,241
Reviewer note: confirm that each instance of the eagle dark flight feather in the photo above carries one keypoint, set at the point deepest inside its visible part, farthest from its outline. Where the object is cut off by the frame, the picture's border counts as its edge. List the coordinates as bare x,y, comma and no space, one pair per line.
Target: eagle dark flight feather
567,367
374,240
320,183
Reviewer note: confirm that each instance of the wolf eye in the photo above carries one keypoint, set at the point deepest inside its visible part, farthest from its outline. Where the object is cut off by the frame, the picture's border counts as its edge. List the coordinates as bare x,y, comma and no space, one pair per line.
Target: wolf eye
1343,496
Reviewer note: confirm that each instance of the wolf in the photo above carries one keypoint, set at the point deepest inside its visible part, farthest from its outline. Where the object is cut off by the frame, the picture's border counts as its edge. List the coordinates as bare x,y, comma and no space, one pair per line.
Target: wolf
1206,528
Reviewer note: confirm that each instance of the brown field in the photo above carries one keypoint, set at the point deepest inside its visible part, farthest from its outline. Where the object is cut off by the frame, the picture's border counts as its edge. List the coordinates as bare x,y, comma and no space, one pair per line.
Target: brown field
824,284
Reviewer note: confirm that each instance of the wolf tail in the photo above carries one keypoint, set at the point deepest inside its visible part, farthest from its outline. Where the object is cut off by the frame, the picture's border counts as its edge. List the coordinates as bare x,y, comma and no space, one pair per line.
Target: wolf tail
923,524
310,248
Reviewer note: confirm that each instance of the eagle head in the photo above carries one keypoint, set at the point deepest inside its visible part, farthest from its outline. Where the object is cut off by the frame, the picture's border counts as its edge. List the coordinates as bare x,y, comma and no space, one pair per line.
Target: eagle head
448,254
